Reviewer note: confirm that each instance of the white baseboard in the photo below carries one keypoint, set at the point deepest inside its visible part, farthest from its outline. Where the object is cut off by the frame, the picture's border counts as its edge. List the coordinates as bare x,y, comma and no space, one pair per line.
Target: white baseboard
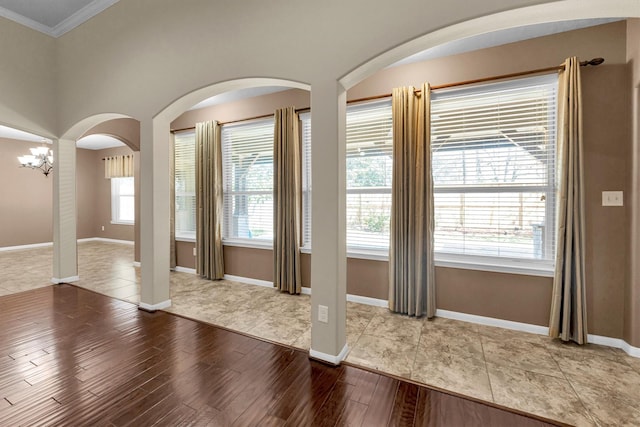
471,318
153,307
185,270
136,263
368,301
104,239
328,358
615,343
248,280
46,244
31,246
629,349
490,321
70,279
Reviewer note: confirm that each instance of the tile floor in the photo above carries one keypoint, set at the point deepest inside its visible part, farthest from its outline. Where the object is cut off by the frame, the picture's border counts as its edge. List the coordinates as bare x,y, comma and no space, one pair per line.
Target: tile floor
590,385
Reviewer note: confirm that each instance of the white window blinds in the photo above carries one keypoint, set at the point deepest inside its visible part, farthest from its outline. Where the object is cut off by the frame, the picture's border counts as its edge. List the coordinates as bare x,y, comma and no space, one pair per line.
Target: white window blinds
369,172
185,184
247,157
305,129
122,200
493,157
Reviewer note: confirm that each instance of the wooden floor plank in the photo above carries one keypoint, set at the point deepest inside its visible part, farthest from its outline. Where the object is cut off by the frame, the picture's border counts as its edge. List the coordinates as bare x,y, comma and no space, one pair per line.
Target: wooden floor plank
73,357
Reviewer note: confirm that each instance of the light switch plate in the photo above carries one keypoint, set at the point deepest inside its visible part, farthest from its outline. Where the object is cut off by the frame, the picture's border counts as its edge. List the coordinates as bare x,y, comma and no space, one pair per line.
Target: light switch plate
612,198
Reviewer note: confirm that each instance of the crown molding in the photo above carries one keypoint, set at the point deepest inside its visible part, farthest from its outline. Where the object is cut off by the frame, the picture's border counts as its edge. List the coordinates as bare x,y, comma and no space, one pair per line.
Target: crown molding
78,18
81,16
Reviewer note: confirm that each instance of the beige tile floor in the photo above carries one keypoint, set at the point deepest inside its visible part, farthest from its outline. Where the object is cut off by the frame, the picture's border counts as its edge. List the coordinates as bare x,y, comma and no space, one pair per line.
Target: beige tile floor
590,385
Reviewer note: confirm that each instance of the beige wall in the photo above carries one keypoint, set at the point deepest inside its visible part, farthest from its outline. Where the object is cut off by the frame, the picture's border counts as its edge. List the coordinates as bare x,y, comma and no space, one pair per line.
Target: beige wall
25,205
245,108
27,79
126,130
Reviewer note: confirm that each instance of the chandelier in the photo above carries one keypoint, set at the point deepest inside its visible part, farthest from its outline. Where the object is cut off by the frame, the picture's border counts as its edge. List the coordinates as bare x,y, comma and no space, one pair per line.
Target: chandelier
40,158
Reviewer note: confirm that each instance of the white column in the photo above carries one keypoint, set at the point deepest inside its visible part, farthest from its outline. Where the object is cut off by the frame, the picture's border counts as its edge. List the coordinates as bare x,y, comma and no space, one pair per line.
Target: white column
154,217
65,251
328,227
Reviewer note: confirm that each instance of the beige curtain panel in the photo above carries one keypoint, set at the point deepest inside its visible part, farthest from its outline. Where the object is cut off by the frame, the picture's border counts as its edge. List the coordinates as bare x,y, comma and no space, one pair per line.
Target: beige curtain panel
286,200
172,201
568,319
209,256
118,166
411,268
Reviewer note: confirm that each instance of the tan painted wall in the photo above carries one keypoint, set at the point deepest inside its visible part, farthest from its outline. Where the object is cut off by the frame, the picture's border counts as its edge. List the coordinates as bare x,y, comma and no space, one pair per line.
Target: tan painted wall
245,108
632,291
27,79
126,130
138,56
25,203
87,184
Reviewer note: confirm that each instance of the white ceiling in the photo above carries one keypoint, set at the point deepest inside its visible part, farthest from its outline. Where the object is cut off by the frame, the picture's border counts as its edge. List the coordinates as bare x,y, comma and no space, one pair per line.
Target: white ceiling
237,95
52,17
98,142
497,38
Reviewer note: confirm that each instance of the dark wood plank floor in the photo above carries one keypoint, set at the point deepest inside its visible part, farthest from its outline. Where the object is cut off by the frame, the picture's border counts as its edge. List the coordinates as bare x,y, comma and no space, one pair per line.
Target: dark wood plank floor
72,357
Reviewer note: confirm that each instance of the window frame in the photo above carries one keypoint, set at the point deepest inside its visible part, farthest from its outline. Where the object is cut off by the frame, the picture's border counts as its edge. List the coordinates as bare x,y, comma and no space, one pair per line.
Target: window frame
513,265
116,211
248,242
180,234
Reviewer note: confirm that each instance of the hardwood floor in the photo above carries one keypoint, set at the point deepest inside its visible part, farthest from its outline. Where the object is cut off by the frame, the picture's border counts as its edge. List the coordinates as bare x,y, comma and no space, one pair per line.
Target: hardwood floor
69,356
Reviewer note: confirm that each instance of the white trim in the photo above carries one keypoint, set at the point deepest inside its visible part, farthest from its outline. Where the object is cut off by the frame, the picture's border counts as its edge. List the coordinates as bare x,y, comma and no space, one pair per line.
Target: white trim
185,270
78,18
34,25
370,255
509,266
30,246
136,263
368,301
122,222
247,243
248,280
615,343
490,321
630,350
70,279
106,240
185,239
334,360
153,307
446,314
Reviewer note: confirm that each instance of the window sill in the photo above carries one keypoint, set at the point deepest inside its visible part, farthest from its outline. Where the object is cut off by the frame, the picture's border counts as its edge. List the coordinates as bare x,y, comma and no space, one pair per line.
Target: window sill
122,222
248,244
185,239
442,260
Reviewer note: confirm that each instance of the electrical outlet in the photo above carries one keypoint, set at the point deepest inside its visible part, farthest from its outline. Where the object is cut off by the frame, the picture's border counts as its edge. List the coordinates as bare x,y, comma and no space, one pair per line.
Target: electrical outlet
323,314
103,228
612,198
194,251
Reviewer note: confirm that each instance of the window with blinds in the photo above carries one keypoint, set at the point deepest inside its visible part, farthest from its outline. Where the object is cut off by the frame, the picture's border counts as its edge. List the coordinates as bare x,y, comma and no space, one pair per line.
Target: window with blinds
369,146
493,165
305,131
247,158
185,185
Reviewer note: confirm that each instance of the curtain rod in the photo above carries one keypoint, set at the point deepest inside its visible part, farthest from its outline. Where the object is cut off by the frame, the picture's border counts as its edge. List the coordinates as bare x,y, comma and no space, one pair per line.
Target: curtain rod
594,62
